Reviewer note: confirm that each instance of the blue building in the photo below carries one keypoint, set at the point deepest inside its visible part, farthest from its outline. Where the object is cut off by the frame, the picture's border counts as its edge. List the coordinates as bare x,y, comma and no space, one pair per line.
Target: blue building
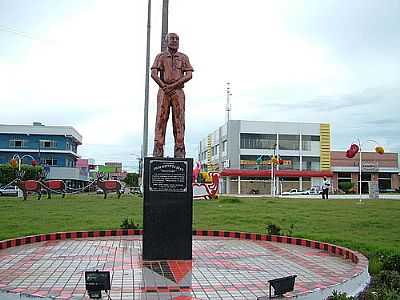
55,146
52,145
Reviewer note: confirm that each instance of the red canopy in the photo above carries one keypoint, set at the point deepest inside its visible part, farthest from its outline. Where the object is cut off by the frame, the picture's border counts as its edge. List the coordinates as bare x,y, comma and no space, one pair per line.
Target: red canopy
279,173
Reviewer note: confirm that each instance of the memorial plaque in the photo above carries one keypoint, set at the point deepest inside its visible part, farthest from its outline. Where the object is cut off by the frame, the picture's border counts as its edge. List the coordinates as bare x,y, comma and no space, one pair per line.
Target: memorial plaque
167,208
167,176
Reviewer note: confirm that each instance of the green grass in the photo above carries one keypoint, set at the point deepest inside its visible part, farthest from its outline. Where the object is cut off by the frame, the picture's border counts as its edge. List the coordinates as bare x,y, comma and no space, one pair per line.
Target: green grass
370,227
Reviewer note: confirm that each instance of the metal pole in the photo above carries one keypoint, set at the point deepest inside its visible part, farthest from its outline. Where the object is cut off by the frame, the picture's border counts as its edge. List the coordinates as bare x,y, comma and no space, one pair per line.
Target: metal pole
164,29
146,89
228,104
272,178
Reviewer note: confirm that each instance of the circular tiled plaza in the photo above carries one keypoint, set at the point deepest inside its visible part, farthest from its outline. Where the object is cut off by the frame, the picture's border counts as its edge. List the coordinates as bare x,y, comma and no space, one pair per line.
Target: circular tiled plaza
225,265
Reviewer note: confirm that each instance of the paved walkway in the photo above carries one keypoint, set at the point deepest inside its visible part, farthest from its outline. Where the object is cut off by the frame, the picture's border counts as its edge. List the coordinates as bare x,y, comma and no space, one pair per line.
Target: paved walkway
222,268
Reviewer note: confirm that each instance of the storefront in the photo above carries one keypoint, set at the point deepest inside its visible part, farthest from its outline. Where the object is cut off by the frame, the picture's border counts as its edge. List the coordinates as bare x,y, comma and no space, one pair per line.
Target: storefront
381,168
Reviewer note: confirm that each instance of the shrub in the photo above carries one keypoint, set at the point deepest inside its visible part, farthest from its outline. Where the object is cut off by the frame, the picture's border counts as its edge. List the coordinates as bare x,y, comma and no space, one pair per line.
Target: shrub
273,229
129,224
339,296
290,230
391,262
346,187
381,294
389,279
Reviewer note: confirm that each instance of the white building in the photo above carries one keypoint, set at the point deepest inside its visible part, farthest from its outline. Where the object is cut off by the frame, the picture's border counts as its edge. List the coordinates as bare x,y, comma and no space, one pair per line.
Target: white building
241,151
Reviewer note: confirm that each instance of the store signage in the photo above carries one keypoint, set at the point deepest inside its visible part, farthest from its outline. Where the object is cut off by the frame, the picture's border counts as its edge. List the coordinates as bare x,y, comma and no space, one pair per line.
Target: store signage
370,166
264,162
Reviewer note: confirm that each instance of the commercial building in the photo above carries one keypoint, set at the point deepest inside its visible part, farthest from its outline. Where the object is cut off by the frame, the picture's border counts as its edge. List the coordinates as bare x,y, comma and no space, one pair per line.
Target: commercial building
113,170
242,151
383,168
53,146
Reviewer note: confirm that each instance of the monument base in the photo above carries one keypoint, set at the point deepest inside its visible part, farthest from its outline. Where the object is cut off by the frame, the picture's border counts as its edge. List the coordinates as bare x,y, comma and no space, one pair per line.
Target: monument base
167,208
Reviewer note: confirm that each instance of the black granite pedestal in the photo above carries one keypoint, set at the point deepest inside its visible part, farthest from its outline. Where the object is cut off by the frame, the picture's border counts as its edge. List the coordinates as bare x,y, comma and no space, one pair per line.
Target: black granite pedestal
167,209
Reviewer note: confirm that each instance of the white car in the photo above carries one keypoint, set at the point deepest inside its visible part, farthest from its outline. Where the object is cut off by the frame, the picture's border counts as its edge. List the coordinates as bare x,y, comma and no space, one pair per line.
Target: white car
294,192
314,191
9,191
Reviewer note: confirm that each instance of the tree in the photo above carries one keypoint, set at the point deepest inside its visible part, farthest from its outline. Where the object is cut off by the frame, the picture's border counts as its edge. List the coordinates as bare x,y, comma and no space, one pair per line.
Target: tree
132,179
7,173
346,186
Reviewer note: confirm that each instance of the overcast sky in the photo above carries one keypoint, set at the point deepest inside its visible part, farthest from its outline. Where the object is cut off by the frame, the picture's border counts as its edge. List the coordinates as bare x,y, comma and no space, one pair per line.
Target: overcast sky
82,63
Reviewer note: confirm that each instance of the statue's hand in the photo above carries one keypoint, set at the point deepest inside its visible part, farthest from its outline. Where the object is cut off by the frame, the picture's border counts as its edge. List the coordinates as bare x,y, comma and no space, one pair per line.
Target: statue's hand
169,90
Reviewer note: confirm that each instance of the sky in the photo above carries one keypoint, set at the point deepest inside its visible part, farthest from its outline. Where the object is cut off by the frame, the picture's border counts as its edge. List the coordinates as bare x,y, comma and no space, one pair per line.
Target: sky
81,63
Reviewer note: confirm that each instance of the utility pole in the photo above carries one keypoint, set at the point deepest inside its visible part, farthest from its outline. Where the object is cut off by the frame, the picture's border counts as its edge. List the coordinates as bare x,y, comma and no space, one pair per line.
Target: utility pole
164,28
227,161
146,89
228,107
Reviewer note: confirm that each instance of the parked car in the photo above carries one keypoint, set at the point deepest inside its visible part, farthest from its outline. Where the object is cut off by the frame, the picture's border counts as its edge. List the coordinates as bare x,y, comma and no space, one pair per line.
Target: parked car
100,191
294,192
9,191
313,191
135,190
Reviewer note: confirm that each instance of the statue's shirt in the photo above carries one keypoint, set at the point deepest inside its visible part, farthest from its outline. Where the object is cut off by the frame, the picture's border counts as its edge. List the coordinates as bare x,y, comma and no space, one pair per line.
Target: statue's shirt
172,67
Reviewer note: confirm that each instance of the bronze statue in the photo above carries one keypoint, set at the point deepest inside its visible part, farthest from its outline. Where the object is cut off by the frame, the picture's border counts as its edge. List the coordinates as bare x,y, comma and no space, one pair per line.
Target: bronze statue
170,70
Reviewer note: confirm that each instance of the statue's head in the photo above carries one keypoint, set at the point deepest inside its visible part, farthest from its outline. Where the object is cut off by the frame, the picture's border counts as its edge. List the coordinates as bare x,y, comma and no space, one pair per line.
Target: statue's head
172,41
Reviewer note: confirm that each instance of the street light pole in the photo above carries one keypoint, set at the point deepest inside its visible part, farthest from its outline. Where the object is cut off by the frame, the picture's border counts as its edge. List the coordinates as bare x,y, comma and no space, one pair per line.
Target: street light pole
146,88
164,28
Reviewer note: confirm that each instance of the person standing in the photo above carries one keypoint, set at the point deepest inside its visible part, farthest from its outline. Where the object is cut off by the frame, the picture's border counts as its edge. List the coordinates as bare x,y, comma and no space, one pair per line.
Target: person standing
170,70
325,188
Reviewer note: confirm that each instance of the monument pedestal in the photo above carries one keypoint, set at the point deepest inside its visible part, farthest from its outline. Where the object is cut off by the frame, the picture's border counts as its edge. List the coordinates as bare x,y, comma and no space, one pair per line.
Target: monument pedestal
167,208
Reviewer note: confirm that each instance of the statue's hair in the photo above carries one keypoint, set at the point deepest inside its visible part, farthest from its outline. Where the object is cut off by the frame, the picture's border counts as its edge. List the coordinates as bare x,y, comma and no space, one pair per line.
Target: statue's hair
168,34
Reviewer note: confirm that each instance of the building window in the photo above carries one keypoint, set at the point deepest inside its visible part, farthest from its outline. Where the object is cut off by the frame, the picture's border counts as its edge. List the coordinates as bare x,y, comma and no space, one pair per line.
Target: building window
224,144
366,176
344,175
214,150
385,182
16,143
50,161
306,141
311,163
257,141
289,142
290,162
48,144
314,138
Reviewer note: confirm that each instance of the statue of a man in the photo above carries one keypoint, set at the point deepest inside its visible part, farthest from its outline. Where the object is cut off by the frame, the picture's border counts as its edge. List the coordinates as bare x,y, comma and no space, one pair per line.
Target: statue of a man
170,70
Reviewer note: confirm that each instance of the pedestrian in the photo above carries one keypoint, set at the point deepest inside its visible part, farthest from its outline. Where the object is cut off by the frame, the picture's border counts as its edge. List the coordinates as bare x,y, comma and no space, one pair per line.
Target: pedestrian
325,188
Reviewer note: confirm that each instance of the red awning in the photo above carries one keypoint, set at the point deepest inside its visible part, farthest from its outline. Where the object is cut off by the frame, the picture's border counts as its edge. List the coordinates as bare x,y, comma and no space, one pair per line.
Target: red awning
279,173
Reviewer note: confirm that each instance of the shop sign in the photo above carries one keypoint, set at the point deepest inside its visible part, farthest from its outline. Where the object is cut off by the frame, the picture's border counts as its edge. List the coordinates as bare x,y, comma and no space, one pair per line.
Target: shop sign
370,166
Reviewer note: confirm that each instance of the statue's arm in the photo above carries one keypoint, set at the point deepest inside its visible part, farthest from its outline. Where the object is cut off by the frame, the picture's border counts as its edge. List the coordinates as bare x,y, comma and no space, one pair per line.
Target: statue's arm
185,78
157,66
156,78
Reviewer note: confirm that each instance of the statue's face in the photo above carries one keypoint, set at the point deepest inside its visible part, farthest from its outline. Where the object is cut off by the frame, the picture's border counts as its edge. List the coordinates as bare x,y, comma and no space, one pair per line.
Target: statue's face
173,41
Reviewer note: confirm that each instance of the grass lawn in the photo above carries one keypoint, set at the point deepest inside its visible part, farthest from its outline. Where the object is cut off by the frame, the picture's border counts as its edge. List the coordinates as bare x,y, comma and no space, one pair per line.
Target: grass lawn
370,227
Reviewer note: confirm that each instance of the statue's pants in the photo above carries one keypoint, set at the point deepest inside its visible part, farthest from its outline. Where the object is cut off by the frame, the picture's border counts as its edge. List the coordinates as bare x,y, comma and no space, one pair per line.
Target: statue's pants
164,102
